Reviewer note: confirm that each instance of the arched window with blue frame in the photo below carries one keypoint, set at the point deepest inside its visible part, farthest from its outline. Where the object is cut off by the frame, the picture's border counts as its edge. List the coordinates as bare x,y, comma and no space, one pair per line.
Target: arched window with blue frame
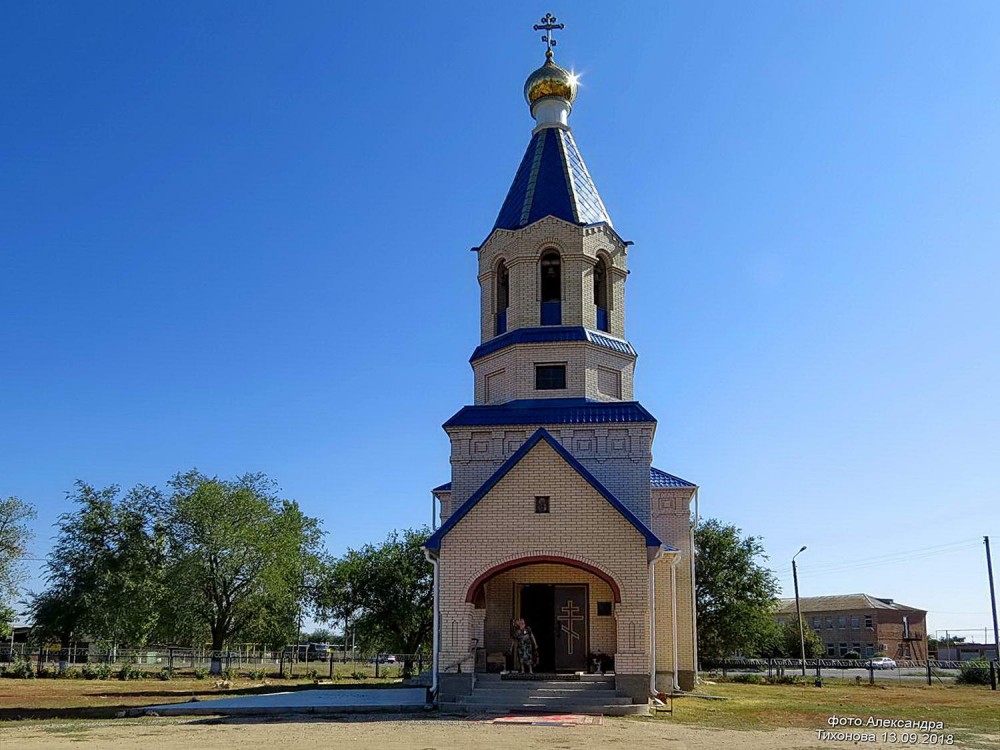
502,297
601,294
550,268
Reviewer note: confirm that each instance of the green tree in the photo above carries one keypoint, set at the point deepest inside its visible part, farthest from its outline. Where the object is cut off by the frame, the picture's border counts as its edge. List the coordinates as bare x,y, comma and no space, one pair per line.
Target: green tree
736,594
105,572
240,561
786,643
14,538
385,593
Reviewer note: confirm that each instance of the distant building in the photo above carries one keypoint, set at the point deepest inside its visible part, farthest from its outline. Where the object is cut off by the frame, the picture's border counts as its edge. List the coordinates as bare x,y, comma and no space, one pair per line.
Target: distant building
967,652
862,623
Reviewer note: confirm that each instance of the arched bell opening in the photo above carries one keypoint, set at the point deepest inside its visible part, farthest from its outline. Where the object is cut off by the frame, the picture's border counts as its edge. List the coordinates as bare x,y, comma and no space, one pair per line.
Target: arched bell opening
601,294
550,270
502,298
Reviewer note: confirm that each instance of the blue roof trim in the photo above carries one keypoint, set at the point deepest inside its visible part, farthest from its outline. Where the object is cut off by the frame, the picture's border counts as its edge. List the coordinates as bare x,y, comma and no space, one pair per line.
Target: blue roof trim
549,334
434,541
552,180
659,478
551,411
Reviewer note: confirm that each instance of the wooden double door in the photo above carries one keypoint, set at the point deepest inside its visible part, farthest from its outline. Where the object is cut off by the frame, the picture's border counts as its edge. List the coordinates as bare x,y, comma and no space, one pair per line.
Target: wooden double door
559,616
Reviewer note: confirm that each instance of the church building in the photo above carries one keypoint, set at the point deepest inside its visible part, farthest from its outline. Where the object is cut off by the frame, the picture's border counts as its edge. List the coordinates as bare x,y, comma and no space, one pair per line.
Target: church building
554,512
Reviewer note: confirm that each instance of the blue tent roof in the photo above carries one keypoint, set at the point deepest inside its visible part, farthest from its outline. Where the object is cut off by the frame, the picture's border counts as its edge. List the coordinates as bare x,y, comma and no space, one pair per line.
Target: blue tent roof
552,180
434,541
549,334
659,478
551,411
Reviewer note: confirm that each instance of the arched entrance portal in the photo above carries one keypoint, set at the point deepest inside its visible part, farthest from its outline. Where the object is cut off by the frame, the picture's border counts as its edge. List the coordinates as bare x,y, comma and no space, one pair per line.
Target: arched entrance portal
568,604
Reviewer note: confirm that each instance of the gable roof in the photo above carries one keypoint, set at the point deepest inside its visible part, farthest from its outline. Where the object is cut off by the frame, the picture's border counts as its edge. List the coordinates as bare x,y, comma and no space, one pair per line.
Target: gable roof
841,602
434,541
552,180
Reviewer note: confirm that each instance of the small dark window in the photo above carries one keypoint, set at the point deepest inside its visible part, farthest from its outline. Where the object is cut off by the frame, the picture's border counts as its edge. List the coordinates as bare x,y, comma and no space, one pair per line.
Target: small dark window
550,377
604,609
542,504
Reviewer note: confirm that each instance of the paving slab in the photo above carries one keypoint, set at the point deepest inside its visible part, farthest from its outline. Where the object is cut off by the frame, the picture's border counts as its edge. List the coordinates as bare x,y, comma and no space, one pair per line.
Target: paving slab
297,702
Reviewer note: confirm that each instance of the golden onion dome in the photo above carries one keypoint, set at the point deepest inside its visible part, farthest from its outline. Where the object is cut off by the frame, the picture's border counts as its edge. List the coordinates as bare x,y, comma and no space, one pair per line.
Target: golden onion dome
550,80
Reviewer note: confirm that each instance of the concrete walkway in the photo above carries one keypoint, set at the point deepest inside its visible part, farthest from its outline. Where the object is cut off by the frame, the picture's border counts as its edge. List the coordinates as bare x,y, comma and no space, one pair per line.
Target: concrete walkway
297,702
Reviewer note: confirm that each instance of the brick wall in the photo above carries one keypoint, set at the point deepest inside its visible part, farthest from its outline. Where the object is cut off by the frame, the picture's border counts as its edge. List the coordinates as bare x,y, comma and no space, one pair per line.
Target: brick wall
582,525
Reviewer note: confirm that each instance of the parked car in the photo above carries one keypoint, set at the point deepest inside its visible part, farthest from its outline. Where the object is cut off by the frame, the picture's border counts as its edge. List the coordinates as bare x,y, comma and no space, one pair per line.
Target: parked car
883,662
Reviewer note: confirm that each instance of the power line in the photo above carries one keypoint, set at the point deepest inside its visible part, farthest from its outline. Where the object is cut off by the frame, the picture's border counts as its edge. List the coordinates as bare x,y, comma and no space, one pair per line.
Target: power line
890,559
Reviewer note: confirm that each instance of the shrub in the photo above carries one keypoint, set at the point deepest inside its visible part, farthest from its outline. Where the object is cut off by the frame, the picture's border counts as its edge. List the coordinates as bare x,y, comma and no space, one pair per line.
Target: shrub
852,655
129,672
73,673
96,671
748,679
358,675
200,673
229,674
312,674
256,674
166,674
973,673
20,669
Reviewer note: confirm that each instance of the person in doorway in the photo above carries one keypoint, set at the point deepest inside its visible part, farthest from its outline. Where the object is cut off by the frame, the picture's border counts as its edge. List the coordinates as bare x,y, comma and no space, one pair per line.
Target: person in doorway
527,647
512,649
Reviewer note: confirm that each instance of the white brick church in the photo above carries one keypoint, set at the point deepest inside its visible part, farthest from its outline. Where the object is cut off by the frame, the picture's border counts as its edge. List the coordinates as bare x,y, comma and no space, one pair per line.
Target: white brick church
554,512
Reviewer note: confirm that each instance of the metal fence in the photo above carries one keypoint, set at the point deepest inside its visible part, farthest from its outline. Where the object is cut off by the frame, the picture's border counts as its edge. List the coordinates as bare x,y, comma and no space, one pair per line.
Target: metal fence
177,661
900,671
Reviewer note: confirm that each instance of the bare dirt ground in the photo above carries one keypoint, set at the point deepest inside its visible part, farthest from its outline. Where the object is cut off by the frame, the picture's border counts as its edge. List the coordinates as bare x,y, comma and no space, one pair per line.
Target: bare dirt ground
388,733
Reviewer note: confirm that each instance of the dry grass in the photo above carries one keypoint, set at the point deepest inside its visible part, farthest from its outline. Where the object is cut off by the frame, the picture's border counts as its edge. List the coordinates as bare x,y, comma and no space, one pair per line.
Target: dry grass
972,714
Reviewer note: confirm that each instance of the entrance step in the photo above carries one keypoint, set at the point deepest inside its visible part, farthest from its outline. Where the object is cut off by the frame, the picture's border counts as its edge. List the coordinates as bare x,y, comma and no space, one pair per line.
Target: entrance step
545,693
544,677
585,699
630,709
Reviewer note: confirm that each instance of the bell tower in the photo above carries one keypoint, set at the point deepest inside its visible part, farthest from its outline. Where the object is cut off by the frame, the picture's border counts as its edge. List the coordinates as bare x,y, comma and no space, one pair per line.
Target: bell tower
554,516
552,271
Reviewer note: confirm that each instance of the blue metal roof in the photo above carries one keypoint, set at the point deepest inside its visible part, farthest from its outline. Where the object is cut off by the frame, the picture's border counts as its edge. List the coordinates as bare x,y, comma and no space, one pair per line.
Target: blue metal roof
548,334
658,478
551,411
434,541
552,180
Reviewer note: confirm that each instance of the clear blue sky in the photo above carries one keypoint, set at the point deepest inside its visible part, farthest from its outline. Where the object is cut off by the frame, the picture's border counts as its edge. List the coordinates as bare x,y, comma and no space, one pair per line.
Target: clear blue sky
236,236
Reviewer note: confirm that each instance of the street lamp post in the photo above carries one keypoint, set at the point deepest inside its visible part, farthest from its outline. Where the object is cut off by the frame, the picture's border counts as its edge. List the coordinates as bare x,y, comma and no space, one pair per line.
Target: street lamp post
798,610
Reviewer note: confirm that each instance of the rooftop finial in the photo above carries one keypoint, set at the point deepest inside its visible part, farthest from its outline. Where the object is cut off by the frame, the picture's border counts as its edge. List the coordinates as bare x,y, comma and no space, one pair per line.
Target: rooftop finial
548,24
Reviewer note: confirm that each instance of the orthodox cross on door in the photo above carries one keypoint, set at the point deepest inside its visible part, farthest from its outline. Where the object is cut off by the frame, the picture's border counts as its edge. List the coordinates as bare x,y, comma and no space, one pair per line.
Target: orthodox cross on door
571,615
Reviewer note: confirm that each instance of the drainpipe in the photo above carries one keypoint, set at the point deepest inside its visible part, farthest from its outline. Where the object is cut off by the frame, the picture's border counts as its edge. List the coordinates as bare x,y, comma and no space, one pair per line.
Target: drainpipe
433,560
673,616
694,592
652,618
